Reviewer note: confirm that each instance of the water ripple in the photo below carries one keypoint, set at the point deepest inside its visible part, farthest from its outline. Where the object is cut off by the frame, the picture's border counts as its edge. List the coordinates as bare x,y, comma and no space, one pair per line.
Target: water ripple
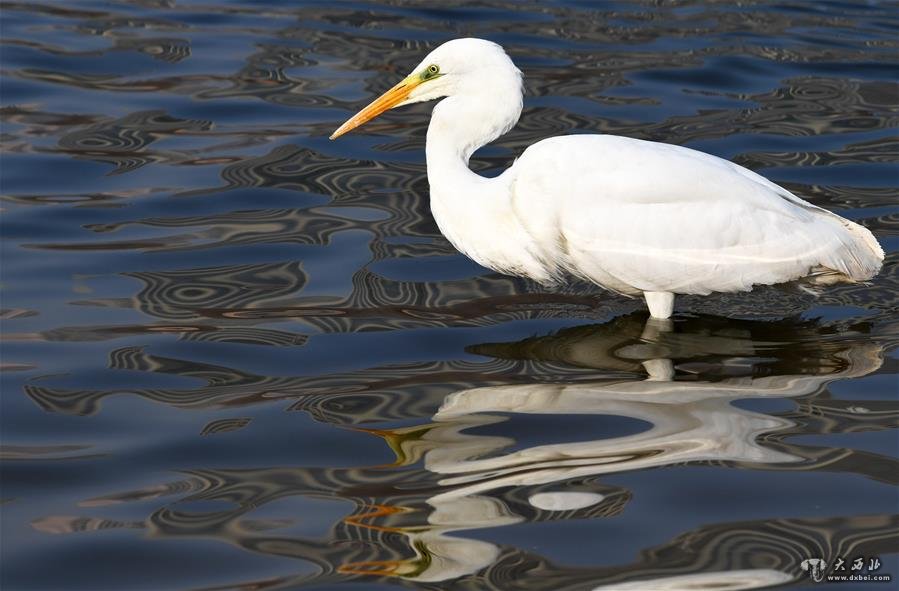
221,329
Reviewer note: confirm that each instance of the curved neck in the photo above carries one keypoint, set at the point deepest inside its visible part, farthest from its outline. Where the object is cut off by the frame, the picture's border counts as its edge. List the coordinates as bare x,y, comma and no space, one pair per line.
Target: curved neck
461,124
469,209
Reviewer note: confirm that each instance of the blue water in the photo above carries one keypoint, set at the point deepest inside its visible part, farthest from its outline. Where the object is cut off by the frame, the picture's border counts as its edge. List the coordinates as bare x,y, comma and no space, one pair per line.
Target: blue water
237,355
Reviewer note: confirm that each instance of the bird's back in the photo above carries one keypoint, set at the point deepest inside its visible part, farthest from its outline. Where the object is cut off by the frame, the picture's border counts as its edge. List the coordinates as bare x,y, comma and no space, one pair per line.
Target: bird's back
643,216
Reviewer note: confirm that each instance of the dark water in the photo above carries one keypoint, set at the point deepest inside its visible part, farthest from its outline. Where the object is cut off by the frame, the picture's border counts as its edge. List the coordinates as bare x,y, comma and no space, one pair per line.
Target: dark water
239,356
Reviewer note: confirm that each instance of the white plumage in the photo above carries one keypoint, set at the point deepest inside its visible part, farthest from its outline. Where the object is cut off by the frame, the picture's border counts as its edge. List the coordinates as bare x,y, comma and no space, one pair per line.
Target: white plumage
632,216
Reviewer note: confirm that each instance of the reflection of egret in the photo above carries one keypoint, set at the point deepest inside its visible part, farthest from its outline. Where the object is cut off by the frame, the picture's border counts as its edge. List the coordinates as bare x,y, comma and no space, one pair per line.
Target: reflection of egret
632,216
738,580
708,345
453,475
690,421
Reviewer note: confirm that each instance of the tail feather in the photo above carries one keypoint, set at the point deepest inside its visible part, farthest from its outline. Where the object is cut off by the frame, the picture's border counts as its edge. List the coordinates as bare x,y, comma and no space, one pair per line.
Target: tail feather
859,259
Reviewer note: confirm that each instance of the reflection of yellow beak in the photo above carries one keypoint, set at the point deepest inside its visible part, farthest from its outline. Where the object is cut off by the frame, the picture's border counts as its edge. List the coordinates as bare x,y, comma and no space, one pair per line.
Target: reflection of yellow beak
405,443
378,568
408,568
388,100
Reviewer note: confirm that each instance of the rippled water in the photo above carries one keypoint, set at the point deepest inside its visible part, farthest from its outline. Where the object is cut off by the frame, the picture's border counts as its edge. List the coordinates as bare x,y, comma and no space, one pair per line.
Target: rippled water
238,355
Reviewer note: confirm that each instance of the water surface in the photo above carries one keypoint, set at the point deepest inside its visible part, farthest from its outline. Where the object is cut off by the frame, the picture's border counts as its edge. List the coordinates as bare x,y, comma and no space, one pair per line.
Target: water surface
237,355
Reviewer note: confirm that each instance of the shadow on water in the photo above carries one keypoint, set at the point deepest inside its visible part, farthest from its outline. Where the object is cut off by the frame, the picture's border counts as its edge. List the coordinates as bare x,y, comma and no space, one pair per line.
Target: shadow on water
474,464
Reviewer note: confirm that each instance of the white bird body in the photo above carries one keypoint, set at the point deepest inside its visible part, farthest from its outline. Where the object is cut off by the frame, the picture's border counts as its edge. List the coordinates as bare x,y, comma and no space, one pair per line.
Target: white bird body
629,215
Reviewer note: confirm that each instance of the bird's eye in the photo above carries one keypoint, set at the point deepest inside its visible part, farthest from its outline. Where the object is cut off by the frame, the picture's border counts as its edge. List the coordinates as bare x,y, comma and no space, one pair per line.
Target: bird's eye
433,69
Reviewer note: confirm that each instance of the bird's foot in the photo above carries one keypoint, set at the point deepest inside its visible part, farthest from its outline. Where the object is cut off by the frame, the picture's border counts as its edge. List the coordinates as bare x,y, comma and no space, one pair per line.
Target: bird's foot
661,303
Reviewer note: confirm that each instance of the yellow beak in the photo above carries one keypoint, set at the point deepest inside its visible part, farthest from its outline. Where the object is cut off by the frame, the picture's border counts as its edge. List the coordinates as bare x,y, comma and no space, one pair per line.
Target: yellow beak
386,101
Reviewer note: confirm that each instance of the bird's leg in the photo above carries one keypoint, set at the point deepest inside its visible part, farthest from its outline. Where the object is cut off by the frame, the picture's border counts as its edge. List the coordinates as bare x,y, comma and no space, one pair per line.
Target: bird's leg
661,303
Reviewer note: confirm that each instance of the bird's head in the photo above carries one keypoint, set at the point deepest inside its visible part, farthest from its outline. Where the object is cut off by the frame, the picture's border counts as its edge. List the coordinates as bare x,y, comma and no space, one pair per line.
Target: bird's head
460,66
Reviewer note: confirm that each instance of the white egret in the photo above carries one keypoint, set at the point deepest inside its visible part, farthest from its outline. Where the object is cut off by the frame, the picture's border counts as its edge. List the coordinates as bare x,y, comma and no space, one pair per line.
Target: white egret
629,215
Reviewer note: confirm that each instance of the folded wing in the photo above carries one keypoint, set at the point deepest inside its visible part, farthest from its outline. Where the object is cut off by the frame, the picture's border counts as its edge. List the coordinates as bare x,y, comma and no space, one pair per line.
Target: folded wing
642,216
